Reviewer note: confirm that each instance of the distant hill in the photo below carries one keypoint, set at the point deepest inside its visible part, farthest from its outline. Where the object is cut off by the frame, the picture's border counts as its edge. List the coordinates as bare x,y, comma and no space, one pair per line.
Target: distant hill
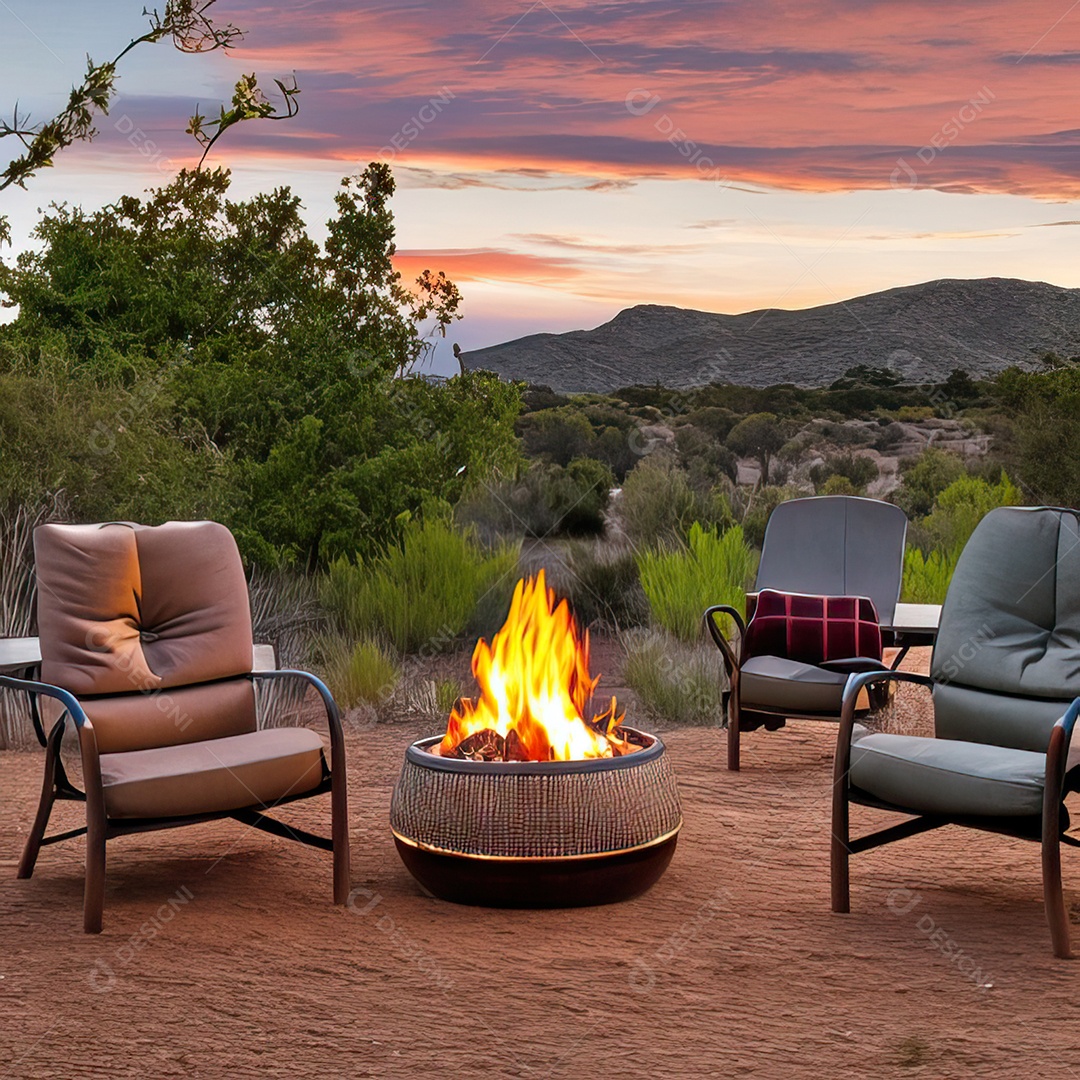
922,332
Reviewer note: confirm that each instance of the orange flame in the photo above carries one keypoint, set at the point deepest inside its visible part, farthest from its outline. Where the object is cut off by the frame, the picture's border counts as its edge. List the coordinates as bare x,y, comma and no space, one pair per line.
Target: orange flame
534,680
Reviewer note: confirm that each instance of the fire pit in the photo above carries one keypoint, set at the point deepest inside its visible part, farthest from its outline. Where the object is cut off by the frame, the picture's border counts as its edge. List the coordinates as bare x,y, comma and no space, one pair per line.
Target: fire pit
532,799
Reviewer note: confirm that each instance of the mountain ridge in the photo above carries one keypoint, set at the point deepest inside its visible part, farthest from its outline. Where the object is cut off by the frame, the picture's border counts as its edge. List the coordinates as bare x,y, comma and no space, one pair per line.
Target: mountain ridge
922,331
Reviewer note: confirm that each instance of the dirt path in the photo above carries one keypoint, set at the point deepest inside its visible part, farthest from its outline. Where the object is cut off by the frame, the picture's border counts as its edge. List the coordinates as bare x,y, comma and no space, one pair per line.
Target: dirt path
731,966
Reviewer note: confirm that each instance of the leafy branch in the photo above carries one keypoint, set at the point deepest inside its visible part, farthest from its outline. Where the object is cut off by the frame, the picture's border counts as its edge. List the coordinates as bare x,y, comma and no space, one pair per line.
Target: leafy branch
249,103
192,30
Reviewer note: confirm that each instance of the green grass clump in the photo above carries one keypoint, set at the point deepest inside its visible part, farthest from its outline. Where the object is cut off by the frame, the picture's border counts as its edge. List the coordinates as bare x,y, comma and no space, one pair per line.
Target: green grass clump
927,577
680,583
673,682
422,595
359,674
447,694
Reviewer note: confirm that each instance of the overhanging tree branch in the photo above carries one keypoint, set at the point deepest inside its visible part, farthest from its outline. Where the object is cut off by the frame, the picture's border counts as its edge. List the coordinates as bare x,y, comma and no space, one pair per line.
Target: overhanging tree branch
192,30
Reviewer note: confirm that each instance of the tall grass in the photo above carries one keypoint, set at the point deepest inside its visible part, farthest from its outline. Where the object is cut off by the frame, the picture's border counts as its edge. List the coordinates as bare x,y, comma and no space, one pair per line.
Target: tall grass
927,577
285,613
422,595
674,682
360,674
680,583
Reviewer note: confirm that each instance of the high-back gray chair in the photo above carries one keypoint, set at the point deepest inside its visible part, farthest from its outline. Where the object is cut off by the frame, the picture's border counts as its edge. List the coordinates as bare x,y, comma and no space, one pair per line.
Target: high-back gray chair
829,546
146,647
1005,676
836,545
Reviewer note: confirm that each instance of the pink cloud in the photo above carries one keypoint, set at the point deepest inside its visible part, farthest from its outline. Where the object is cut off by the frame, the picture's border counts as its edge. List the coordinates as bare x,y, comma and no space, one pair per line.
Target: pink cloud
818,96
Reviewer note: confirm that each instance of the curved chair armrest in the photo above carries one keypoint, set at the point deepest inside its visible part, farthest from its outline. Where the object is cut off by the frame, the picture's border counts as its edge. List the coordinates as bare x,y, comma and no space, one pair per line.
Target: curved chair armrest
853,665
88,746
731,658
856,682
40,689
333,716
1057,751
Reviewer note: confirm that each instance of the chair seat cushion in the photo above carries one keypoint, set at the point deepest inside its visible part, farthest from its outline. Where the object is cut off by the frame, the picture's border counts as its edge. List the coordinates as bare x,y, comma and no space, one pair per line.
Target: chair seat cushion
945,776
772,682
255,769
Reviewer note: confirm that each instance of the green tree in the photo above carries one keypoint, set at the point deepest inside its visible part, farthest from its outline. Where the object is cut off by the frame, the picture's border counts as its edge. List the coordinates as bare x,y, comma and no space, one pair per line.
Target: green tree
924,478
286,358
759,435
1044,407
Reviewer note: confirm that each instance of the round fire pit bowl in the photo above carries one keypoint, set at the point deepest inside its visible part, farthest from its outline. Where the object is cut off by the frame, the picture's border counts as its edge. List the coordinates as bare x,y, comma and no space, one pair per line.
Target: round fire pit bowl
536,834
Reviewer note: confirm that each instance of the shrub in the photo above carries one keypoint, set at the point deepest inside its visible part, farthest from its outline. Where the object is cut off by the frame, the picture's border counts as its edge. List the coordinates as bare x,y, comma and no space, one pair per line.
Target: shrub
658,503
962,505
680,584
558,435
358,674
705,456
857,470
603,586
548,500
945,531
673,682
423,594
924,478
839,485
926,577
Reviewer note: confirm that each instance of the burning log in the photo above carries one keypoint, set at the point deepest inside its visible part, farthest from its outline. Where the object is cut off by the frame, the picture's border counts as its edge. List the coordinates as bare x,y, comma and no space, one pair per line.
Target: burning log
486,745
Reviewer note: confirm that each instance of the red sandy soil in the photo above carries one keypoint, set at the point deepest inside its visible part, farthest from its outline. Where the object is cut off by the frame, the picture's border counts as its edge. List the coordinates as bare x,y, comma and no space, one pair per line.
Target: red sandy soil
732,965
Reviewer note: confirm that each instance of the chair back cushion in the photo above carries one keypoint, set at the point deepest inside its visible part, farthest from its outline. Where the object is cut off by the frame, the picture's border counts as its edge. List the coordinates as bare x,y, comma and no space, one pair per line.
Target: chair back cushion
129,608
1007,658
812,629
836,545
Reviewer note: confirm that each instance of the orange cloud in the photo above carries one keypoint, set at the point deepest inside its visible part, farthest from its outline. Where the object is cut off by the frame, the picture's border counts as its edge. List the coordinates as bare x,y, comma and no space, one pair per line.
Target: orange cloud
485,264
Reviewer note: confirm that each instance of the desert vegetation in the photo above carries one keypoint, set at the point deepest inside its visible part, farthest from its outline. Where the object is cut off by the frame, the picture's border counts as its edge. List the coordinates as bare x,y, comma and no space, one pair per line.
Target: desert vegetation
189,355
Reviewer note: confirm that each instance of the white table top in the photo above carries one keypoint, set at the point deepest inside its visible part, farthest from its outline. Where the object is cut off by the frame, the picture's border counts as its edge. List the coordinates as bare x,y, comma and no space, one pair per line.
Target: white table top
918,618
17,654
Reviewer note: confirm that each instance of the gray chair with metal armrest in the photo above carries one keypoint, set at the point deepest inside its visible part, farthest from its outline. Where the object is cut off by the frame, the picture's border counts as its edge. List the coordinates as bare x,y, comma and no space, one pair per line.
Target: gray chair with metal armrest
1004,679
829,546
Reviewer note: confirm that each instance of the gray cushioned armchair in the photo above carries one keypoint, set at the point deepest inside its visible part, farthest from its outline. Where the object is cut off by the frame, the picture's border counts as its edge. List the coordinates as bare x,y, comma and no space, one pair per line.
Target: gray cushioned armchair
1005,676
831,546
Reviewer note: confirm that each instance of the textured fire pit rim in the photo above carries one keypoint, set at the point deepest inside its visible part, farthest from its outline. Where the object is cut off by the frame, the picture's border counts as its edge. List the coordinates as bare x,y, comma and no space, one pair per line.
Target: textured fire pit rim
419,754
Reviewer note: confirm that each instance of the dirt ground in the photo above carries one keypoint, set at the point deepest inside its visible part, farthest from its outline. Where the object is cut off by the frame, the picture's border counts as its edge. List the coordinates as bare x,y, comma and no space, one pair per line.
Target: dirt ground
732,965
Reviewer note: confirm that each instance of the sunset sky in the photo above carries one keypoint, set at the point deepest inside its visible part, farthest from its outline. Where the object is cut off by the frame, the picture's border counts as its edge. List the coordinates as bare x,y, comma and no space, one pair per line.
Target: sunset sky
563,161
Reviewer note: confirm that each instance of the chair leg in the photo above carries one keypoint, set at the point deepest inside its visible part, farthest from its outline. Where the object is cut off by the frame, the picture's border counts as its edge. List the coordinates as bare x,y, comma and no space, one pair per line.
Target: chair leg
339,833
96,835
48,797
94,890
733,731
840,851
1053,895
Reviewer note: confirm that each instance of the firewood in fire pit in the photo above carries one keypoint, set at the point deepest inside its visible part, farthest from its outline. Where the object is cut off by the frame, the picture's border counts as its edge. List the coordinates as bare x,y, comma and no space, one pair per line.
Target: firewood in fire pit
486,745
635,738
514,749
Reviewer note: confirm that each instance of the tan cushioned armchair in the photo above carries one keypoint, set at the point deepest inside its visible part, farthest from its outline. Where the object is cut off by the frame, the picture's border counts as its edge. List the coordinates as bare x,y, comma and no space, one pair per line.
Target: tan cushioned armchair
146,644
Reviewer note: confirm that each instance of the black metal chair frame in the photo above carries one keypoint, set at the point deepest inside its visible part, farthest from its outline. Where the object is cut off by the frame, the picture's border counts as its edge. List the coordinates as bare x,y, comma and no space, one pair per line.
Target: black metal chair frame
100,828
731,699
1048,828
